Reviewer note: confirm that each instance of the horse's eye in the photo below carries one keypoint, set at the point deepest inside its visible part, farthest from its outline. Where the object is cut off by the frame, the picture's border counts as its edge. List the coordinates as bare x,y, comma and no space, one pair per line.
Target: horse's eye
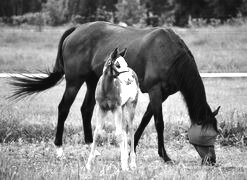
118,65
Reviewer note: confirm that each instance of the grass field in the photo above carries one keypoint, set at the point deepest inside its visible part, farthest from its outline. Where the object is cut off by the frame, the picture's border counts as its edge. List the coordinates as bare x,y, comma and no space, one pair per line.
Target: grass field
27,132
27,128
220,49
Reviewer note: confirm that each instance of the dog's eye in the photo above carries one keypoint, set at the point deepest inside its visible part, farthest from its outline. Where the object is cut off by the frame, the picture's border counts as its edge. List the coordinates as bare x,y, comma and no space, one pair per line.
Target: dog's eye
118,65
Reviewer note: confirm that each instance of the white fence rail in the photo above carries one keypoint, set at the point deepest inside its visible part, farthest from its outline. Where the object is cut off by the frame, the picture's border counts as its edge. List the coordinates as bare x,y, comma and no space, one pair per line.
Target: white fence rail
204,75
8,75
223,75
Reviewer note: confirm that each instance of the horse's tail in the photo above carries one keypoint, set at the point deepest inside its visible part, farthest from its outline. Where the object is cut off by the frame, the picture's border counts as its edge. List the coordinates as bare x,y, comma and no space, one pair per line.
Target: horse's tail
28,84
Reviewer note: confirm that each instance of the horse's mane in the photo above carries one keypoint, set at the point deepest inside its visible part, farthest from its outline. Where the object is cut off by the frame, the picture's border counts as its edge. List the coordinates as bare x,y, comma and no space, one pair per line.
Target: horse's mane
191,86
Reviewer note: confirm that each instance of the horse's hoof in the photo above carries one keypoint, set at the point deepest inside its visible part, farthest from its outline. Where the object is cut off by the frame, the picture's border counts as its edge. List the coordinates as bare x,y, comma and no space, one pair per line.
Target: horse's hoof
59,152
88,167
132,166
125,168
171,162
89,140
167,159
97,153
208,162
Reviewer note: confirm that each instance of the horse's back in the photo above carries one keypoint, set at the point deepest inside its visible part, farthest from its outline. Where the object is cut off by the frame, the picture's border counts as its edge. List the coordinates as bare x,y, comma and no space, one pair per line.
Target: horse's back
151,51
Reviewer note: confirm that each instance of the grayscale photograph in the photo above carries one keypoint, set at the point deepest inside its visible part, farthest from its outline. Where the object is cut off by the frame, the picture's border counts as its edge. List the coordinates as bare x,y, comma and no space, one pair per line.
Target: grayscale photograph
123,89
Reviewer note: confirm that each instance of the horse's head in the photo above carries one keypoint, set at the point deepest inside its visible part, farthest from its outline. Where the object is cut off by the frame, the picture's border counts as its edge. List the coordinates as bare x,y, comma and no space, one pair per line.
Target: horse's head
203,136
115,64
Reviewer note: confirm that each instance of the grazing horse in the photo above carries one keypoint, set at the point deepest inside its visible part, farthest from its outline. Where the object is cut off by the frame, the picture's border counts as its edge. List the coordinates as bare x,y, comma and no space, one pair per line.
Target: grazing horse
117,91
159,57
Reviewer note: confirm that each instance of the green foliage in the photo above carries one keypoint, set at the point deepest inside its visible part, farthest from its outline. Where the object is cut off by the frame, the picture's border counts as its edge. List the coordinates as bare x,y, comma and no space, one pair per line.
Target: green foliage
30,18
154,12
130,11
206,9
224,9
83,8
57,11
19,7
103,15
157,7
243,8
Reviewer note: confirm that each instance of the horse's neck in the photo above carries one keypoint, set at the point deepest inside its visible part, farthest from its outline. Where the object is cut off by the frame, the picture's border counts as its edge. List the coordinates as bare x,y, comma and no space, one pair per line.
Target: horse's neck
195,98
108,82
191,86
197,104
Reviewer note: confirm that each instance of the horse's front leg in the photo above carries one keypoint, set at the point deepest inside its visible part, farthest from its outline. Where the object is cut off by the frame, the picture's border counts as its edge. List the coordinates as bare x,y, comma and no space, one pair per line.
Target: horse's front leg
122,138
155,96
128,115
132,146
99,124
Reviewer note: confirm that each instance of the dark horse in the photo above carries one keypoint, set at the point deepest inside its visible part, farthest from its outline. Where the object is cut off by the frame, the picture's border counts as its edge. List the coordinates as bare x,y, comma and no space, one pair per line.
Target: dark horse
161,60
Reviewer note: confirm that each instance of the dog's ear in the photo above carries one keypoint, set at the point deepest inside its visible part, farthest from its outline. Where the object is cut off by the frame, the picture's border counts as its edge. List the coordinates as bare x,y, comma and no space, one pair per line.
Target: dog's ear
123,52
114,54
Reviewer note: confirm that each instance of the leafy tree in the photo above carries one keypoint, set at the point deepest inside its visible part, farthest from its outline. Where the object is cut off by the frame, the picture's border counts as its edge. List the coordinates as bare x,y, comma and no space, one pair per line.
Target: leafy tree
130,11
19,7
86,9
224,9
157,7
108,5
243,8
107,9
57,11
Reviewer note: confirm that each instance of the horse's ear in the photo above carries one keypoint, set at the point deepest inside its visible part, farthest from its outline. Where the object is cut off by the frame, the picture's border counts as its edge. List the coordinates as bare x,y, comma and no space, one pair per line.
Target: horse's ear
216,111
123,52
114,54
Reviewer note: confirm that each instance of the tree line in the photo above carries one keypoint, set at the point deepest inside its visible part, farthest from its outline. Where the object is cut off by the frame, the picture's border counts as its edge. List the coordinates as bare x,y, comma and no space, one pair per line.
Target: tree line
150,12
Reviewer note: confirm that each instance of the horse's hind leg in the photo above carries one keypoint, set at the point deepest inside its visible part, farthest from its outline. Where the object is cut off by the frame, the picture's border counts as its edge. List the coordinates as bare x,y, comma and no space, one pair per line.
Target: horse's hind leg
87,110
63,110
144,122
156,105
99,125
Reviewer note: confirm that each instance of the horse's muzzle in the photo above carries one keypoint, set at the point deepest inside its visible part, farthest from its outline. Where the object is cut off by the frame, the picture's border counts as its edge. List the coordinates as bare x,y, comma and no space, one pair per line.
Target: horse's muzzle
207,153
